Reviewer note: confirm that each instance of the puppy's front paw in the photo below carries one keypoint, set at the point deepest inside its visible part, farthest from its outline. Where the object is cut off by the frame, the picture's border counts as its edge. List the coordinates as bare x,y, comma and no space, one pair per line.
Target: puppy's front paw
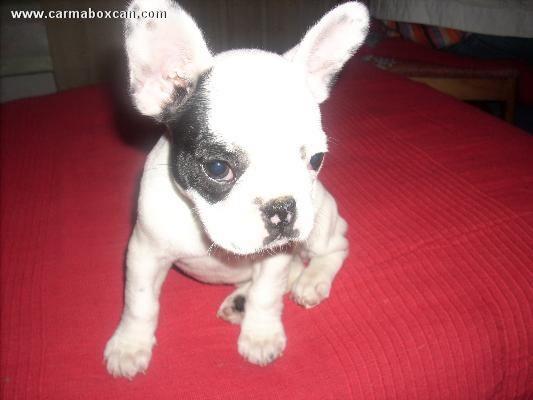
311,288
262,344
126,356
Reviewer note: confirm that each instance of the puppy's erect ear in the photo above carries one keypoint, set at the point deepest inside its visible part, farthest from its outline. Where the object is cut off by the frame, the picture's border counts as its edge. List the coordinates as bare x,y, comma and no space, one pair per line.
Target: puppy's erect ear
329,44
165,56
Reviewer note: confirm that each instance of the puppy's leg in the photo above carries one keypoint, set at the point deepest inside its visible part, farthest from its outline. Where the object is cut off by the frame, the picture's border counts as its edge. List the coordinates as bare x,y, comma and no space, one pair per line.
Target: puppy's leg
130,348
327,248
232,308
262,337
296,268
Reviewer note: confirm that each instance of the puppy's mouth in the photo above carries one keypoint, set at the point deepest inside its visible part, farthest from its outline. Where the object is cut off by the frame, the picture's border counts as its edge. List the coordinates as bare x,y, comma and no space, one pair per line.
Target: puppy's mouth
281,238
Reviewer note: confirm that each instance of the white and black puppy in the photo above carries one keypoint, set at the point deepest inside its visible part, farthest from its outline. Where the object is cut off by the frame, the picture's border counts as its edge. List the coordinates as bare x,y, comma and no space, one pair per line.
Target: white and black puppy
231,194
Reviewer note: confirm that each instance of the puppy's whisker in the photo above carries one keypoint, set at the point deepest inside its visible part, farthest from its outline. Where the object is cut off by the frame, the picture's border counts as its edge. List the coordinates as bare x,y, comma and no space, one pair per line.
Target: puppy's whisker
156,167
211,247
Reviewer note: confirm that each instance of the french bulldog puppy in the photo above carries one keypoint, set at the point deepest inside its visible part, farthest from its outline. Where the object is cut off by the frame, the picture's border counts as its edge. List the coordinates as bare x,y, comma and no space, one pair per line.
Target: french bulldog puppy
230,195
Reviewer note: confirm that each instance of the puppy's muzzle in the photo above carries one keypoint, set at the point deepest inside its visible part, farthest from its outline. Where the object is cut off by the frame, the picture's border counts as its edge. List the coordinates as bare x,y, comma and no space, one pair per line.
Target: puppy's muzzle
279,216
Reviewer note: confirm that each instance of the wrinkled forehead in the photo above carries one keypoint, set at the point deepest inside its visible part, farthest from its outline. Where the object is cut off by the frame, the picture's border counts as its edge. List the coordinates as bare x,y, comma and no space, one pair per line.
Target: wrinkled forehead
257,96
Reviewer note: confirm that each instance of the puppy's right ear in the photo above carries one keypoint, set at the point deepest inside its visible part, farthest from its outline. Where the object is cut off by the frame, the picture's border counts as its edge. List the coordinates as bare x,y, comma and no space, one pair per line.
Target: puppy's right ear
166,55
327,46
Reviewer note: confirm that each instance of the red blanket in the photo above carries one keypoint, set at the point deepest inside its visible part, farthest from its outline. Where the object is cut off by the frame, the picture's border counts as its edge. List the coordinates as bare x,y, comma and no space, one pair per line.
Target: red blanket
434,300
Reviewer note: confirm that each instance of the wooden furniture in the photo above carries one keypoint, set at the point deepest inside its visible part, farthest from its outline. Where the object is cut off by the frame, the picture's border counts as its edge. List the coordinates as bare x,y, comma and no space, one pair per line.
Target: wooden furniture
491,84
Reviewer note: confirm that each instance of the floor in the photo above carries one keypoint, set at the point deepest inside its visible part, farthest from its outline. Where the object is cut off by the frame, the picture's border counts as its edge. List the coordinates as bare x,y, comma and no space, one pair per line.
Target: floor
523,113
524,117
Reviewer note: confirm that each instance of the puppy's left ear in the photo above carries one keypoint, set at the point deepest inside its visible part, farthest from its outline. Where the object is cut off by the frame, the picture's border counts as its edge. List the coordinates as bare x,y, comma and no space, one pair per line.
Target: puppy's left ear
329,44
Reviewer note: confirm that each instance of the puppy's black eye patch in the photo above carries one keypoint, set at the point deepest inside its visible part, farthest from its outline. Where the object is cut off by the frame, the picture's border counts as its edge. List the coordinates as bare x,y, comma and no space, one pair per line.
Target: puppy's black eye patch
316,161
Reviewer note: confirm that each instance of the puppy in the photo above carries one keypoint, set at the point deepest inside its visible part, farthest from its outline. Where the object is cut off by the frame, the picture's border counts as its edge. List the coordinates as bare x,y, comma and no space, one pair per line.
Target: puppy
230,195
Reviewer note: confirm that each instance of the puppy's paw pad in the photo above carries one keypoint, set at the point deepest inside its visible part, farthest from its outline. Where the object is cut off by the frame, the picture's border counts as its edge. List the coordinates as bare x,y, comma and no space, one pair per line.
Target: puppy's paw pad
127,358
262,349
232,309
309,291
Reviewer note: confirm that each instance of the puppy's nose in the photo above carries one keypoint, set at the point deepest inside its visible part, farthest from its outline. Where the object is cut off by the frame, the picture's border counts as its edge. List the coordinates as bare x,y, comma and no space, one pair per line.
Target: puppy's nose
279,215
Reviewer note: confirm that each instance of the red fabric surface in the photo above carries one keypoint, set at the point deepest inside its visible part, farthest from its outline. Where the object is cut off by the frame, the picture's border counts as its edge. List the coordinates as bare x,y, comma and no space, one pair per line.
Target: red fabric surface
434,300
402,49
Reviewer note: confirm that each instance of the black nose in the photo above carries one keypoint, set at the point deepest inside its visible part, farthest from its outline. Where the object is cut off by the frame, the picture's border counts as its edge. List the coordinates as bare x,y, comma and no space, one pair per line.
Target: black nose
279,216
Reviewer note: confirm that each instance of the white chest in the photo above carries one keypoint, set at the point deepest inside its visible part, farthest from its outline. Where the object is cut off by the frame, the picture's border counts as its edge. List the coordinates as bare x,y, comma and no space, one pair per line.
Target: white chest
211,269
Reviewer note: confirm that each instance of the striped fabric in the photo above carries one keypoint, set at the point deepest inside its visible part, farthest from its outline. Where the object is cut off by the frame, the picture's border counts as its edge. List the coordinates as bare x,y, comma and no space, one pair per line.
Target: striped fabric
427,35
434,300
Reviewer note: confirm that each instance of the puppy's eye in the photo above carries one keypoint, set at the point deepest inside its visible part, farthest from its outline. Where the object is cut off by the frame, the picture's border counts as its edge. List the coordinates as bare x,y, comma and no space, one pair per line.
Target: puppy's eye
315,162
218,170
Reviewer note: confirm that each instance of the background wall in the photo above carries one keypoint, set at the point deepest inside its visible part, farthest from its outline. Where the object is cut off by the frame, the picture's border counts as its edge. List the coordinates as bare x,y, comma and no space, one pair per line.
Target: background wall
25,64
89,51
43,56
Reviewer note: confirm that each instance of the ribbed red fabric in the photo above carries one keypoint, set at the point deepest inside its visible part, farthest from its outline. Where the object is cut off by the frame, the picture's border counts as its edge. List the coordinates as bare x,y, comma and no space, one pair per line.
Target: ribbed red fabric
434,301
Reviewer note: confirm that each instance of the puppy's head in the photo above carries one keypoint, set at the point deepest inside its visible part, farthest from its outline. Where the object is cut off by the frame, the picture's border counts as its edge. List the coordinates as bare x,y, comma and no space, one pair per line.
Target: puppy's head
245,127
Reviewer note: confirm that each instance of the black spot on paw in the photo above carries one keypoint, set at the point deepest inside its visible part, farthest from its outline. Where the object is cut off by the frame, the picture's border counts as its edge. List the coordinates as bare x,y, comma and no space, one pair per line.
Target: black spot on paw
238,303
